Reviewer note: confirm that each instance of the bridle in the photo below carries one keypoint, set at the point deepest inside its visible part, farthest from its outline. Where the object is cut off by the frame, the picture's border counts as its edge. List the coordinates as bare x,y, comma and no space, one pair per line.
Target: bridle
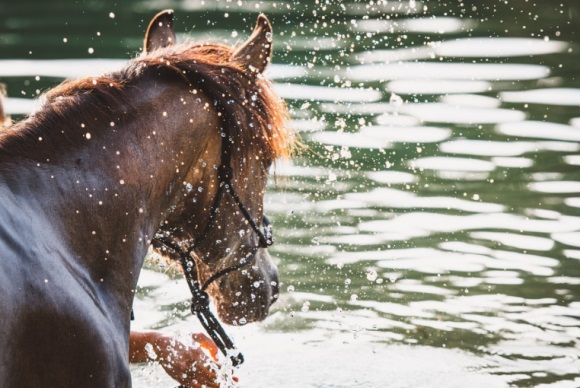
200,298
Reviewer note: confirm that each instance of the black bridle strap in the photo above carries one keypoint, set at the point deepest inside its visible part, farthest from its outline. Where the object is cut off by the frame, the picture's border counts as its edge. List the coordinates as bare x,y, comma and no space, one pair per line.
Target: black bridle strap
225,175
200,298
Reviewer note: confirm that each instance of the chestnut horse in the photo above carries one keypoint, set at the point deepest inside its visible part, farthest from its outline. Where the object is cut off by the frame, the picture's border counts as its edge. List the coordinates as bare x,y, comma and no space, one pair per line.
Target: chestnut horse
103,169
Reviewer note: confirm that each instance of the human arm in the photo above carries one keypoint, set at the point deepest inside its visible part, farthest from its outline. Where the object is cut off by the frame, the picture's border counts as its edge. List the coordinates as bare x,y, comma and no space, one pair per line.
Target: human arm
189,365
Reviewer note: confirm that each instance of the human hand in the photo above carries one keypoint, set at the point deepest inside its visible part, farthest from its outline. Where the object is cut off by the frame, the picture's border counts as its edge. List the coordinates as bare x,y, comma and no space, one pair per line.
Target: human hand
192,366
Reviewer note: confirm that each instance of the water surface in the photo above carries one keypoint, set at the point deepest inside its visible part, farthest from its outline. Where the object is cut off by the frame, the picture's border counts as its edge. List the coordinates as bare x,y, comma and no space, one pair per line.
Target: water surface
431,235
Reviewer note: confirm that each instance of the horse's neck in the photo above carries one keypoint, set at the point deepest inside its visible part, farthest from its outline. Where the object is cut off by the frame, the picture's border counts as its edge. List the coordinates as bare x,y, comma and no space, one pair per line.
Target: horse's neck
49,220
104,203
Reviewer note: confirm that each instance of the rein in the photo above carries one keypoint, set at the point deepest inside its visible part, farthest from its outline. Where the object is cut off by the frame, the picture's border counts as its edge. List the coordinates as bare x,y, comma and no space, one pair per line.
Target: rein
200,298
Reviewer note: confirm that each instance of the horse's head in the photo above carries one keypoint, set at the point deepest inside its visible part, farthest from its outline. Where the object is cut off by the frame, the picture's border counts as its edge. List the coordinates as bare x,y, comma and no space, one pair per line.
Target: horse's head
208,221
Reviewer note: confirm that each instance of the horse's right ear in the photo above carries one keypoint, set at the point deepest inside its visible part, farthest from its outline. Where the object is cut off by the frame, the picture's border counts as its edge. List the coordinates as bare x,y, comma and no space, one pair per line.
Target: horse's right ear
256,53
160,32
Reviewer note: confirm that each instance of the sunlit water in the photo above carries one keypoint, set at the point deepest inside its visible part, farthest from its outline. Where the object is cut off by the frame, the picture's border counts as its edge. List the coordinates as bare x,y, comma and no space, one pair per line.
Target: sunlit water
431,235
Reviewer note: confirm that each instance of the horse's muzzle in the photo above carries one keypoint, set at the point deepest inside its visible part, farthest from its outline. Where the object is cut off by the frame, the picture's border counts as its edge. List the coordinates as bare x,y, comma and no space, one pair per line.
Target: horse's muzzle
246,295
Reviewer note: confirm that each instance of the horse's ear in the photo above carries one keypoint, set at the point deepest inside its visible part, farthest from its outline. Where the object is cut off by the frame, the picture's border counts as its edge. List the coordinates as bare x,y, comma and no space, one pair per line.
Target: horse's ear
160,32
256,53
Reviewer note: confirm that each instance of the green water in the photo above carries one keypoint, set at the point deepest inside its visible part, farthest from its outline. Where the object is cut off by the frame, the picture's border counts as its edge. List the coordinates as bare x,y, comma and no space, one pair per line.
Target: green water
430,235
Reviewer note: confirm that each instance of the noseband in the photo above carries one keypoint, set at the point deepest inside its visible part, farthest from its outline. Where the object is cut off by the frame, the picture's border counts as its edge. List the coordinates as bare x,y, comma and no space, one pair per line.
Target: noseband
200,298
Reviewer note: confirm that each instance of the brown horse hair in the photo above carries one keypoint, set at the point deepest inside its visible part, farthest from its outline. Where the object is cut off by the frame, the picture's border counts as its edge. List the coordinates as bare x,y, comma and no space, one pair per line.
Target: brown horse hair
248,101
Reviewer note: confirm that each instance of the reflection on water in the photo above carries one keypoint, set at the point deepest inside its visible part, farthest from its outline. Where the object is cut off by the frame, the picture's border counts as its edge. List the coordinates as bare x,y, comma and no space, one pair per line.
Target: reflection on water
446,70
431,235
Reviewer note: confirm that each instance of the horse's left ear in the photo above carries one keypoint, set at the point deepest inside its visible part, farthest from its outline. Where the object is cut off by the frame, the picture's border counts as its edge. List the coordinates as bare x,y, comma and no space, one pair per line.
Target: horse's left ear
160,32
256,53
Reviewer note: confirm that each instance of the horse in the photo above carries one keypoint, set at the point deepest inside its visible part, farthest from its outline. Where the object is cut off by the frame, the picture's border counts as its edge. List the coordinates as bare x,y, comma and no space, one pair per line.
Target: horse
113,164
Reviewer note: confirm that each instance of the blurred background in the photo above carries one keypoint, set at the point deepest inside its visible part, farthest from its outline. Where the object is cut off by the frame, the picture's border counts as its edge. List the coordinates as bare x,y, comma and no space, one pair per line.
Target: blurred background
430,234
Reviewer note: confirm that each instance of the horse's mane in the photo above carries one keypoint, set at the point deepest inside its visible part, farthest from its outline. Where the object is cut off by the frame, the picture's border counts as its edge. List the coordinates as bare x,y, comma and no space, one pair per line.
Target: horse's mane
247,101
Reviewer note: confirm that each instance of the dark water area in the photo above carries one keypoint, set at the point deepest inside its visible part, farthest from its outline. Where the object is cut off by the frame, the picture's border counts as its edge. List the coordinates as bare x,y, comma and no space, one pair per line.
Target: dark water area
430,234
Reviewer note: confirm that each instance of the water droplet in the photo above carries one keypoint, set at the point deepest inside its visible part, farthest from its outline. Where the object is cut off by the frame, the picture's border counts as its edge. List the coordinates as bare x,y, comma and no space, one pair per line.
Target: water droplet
290,288
372,275
150,351
395,100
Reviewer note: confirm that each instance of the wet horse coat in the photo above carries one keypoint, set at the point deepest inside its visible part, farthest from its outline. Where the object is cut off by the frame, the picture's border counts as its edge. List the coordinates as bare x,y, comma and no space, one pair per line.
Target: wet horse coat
87,181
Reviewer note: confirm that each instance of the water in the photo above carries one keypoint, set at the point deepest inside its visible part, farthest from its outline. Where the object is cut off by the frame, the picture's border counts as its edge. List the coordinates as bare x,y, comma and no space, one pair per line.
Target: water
430,237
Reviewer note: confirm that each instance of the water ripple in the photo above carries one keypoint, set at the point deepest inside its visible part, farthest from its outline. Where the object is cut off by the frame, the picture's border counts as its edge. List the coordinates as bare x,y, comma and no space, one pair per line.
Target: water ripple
540,130
452,71
325,93
451,164
447,223
399,199
437,25
458,114
554,96
502,148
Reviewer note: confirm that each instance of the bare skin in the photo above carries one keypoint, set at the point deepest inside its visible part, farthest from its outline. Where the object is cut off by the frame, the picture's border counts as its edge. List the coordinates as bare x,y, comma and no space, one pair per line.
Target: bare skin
188,365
